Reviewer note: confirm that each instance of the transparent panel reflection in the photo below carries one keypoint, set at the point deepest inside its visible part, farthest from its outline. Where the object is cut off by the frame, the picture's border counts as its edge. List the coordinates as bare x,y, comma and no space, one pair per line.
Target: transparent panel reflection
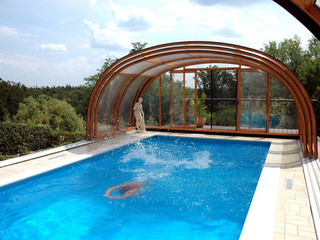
151,104
253,100
283,111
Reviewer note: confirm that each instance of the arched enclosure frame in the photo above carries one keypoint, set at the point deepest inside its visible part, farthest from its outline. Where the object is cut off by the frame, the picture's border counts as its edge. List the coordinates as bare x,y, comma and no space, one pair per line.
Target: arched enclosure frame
126,80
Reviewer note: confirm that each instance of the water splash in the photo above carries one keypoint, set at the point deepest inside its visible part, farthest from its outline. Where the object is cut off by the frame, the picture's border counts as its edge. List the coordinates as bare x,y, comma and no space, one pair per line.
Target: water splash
155,164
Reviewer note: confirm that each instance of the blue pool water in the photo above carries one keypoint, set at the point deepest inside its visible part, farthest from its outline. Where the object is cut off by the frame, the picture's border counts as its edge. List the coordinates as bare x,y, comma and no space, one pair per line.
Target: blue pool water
196,189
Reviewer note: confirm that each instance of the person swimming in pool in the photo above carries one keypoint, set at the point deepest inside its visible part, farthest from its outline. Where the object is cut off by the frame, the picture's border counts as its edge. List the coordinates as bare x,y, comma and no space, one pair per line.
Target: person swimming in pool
127,189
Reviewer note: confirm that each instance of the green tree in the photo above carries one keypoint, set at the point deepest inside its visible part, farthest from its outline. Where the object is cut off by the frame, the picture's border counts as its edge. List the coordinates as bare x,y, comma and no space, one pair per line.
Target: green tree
304,63
309,73
11,94
137,46
77,96
288,51
224,84
92,80
54,113
314,48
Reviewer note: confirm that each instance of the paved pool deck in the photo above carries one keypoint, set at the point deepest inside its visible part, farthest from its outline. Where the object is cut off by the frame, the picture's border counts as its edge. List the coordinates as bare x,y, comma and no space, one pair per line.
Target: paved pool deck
280,208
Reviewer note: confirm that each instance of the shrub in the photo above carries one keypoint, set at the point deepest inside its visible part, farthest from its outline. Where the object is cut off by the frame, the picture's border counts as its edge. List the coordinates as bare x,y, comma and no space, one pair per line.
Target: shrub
21,138
59,138
54,113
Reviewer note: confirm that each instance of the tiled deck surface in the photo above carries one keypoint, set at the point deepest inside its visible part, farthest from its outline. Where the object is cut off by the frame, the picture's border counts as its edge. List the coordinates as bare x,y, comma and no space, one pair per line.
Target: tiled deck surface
293,215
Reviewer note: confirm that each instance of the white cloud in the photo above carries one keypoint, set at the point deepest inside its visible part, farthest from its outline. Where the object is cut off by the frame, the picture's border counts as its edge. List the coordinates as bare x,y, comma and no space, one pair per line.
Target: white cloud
227,32
33,71
131,17
11,32
52,48
231,3
197,16
111,38
93,2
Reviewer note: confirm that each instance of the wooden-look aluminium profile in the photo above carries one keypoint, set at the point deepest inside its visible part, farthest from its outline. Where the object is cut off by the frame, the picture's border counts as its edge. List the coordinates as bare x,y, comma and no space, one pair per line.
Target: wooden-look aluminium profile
309,8
160,99
222,131
238,108
255,70
171,109
306,114
195,100
268,101
184,97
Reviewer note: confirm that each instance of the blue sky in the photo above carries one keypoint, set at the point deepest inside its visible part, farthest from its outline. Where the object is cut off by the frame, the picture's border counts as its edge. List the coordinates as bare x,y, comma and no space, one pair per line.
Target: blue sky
60,42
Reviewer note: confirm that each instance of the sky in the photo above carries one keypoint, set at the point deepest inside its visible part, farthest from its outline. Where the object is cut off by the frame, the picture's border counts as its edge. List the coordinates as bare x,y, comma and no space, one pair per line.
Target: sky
60,42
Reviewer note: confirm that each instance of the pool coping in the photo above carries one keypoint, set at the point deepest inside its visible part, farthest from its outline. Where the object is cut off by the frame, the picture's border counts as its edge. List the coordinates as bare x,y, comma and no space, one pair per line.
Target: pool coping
263,204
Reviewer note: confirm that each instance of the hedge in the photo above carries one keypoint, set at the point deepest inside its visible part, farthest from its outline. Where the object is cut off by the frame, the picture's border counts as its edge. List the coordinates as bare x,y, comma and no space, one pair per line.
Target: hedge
59,138
19,139
22,138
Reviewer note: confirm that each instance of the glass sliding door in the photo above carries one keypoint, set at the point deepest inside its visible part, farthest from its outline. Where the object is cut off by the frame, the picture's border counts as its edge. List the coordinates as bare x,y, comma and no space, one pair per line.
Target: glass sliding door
224,99
253,100
189,99
220,87
283,110
151,104
176,108
165,100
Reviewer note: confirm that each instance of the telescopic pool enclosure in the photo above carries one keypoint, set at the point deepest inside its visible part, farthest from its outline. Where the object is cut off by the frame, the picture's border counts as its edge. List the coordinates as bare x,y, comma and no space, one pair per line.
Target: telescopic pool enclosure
247,92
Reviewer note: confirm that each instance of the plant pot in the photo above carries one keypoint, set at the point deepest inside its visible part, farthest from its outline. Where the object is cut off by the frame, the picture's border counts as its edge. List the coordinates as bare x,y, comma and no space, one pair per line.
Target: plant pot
201,122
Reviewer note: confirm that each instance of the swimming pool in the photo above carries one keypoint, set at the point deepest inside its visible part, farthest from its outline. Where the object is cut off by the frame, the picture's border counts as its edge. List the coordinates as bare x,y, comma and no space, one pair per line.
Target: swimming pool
196,189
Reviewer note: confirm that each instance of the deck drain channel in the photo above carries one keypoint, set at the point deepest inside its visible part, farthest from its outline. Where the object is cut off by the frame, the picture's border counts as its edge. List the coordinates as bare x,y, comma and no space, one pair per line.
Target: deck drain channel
61,155
288,183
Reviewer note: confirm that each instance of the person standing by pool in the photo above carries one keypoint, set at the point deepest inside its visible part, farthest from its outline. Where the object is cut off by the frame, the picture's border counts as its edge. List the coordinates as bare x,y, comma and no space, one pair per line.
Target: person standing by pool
139,115
127,189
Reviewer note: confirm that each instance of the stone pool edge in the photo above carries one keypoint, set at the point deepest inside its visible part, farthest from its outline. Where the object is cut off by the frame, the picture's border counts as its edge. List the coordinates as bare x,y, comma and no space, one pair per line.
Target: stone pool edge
260,220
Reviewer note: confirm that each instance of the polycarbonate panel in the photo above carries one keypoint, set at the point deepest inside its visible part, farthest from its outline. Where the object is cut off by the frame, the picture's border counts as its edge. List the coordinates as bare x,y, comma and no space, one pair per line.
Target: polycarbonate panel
156,70
151,104
204,93
138,67
127,103
253,100
189,99
283,111
220,87
224,99
106,116
173,57
165,99
177,99
188,61
224,115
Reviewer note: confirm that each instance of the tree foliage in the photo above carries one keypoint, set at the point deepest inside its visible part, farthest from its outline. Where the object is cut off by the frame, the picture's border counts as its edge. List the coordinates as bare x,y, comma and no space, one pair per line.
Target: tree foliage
304,63
288,51
11,94
52,112
137,46
224,84
92,80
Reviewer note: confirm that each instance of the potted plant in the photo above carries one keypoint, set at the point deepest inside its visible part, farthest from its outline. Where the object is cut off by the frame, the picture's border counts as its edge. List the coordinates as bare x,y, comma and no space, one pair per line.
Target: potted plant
202,113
